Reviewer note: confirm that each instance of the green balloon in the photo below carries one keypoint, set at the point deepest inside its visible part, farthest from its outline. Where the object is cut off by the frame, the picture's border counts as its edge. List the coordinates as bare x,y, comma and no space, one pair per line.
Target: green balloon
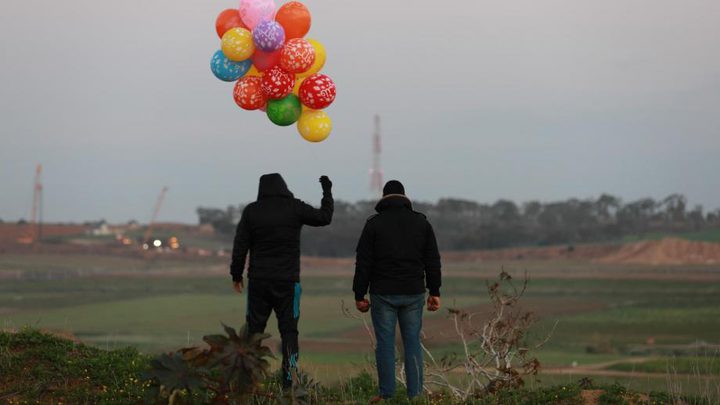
285,111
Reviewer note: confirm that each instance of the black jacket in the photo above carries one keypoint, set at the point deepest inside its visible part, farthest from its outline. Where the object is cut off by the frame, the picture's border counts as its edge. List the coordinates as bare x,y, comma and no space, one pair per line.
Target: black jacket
397,253
270,229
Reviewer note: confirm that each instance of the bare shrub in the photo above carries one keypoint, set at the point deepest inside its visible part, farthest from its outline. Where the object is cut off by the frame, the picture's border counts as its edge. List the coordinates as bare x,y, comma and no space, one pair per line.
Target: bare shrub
496,349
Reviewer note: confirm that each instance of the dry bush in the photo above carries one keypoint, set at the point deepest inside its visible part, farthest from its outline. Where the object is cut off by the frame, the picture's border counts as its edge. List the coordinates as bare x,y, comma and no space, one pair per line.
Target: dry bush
496,348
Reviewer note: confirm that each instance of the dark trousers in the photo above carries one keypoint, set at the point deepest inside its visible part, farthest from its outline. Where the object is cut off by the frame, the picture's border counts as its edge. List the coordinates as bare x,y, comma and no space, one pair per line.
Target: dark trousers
283,297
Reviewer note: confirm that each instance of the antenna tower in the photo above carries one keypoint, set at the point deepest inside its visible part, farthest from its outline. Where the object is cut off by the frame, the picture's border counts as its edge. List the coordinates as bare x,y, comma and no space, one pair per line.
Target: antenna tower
37,207
376,174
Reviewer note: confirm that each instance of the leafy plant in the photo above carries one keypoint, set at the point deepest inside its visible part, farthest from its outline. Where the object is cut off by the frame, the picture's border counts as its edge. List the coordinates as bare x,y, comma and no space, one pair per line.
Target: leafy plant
228,371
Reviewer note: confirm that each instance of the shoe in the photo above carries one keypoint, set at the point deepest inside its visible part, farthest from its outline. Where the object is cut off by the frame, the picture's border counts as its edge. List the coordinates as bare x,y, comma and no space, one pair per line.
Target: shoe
376,399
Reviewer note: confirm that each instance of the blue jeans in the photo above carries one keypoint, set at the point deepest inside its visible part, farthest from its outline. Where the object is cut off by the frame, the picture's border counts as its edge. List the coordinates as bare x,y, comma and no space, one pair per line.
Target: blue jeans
387,311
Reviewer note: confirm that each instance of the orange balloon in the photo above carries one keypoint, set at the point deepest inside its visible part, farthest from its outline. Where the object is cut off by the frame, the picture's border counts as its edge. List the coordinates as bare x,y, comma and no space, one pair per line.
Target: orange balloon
228,20
294,18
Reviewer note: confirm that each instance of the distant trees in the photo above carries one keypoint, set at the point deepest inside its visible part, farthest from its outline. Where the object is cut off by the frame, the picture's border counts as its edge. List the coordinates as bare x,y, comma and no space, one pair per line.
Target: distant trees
224,221
465,225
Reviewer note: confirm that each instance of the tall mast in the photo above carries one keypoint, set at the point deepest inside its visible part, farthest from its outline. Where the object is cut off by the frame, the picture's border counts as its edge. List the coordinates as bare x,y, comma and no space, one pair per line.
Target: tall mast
376,174
37,208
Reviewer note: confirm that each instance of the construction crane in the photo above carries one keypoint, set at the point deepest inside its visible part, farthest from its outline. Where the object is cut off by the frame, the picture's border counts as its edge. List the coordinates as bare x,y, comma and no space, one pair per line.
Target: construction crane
34,233
156,211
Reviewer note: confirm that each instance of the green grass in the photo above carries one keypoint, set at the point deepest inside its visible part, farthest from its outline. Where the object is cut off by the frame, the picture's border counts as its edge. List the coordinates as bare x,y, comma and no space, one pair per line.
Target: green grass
35,366
599,320
708,365
707,235
60,265
154,313
619,327
566,358
166,321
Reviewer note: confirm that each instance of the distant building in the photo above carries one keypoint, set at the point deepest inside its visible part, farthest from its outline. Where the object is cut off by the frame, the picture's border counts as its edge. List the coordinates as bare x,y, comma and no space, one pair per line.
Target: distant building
100,228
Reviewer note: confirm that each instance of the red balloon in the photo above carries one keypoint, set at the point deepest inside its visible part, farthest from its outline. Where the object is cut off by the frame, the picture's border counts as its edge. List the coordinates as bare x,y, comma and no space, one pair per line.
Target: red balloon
277,83
265,60
294,18
228,20
248,93
317,91
298,55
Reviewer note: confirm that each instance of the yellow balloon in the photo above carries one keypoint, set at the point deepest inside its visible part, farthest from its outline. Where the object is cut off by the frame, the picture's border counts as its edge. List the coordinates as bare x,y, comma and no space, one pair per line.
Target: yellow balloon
237,44
254,72
314,125
298,83
320,57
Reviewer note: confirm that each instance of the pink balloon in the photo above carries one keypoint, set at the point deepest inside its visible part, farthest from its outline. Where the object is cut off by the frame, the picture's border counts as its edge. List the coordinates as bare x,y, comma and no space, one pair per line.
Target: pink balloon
252,12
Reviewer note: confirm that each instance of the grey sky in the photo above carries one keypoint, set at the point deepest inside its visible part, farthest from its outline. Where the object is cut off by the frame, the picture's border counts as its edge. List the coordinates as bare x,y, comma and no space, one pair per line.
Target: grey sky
524,99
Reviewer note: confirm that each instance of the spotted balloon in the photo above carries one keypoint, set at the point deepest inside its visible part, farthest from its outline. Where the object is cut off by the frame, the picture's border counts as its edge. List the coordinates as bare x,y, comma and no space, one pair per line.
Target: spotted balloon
314,126
237,44
277,83
227,70
269,36
253,12
297,56
248,93
285,111
317,91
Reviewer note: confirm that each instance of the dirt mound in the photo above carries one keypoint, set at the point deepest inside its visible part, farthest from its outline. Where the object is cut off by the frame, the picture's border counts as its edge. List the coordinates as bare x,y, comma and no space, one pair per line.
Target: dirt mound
585,251
668,251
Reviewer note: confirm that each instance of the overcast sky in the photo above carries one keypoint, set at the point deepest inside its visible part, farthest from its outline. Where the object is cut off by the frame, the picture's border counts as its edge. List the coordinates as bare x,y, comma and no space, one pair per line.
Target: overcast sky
523,99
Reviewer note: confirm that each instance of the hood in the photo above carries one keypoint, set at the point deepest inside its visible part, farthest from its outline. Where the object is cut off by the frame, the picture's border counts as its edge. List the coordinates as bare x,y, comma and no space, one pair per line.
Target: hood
273,185
393,201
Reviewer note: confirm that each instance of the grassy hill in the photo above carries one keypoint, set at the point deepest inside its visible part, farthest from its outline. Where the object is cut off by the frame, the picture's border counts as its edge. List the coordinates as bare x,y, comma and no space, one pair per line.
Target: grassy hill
36,367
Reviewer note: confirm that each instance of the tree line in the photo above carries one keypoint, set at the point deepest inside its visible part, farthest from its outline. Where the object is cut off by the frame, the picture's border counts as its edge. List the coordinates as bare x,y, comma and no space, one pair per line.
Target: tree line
468,225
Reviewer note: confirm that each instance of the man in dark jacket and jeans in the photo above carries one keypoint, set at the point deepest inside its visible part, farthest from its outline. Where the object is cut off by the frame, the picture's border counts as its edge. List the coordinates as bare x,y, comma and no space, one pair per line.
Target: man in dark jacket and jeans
397,258
270,230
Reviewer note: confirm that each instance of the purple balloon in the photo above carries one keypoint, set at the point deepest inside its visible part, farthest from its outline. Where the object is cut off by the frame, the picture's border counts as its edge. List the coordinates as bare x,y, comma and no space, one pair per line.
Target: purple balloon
269,36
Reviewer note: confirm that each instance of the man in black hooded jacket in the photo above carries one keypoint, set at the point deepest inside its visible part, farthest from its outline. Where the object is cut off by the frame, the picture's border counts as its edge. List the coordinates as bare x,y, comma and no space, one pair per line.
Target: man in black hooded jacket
397,260
269,230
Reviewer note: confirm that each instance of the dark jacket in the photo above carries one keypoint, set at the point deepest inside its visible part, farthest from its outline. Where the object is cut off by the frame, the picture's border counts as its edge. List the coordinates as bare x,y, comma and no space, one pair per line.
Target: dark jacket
397,253
270,229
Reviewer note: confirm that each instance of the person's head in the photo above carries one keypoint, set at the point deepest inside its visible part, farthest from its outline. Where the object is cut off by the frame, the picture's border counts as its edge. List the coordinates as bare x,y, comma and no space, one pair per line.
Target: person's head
393,187
273,185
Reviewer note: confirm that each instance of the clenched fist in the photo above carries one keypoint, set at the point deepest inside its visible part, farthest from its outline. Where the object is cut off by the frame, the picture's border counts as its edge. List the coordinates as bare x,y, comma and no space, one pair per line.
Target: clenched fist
326,183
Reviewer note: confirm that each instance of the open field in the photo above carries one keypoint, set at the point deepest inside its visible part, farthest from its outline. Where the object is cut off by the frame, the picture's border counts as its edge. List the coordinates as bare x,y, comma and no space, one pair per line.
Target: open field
614,322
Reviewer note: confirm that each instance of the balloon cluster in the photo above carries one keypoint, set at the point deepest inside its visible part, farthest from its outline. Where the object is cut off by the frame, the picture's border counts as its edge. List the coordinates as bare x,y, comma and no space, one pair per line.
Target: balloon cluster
275,68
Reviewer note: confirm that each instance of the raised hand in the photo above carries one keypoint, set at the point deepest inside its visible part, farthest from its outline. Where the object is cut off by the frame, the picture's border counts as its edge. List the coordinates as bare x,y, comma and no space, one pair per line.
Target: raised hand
326,183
